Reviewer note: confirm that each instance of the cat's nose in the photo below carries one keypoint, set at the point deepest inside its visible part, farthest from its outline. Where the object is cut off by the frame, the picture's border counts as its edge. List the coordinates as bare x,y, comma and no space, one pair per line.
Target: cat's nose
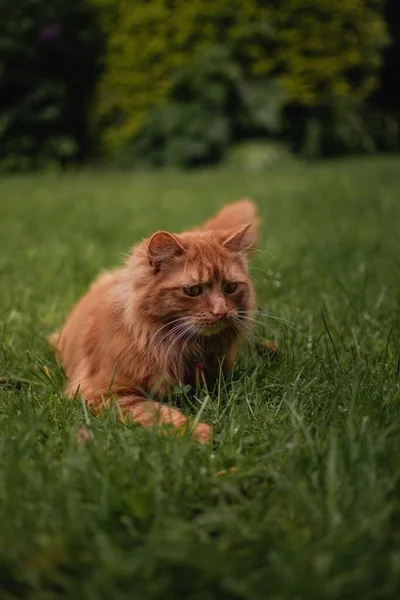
218,308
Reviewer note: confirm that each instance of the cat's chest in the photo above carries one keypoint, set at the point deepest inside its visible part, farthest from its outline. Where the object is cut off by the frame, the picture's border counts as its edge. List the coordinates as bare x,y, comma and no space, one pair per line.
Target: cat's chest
196,374
204,362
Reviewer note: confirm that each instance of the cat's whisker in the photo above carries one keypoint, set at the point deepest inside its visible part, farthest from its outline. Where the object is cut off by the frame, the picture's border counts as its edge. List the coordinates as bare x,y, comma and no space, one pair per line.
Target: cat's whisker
266,313
170,332
169,323
240,257
290,324
254,278
248,338
255,322
161,329
244,331
251,267
271,330
265,253
280,320
181,336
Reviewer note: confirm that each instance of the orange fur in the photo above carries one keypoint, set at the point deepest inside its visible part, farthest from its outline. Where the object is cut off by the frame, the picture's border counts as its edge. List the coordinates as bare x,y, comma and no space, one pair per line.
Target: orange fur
136,332
234,215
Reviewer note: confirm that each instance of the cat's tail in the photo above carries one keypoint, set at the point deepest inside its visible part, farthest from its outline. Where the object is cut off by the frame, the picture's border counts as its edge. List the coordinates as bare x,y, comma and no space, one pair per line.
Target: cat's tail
234,215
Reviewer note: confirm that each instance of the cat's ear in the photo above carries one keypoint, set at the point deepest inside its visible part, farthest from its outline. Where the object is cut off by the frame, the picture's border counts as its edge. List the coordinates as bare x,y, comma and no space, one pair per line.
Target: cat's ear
240,240
162,247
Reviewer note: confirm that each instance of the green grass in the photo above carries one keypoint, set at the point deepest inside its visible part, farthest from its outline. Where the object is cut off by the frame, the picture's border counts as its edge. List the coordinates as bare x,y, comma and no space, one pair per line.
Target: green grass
299,495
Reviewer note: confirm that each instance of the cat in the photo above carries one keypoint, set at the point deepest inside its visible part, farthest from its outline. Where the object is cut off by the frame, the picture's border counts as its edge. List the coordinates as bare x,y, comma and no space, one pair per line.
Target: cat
173,314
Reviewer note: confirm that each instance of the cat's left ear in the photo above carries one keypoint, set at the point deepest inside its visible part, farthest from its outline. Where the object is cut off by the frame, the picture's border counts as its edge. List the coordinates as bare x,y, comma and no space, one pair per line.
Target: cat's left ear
163,246
240,240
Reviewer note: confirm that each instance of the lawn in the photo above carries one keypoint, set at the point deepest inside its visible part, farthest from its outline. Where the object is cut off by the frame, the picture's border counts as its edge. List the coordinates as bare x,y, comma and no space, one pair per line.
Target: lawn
299,495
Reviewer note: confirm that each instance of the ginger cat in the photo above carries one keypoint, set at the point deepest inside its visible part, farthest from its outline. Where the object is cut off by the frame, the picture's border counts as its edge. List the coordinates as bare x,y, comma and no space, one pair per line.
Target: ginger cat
179,307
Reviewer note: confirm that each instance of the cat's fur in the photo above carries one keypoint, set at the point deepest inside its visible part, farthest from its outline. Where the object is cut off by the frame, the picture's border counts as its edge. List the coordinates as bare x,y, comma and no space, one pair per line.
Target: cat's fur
136,333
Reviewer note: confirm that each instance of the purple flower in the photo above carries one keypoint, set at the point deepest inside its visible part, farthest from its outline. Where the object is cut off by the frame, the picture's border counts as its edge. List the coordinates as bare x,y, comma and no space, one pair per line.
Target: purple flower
49,32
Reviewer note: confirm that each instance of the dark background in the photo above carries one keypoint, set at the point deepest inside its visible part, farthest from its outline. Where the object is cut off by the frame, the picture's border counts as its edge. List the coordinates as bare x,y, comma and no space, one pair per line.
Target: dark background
105,80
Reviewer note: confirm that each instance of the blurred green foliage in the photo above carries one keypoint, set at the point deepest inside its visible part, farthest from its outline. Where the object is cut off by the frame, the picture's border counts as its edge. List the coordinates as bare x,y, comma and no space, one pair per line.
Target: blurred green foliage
320,52
181,81
49,52
211,105
340,128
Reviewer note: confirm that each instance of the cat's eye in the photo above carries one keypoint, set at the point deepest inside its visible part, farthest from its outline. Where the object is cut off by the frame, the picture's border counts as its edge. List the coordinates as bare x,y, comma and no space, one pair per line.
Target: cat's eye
230,287
192,290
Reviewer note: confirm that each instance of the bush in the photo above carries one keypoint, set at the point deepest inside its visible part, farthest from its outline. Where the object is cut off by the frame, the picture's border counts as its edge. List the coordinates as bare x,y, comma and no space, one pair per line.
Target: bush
211,105
48,64
148,43
319,50
341,128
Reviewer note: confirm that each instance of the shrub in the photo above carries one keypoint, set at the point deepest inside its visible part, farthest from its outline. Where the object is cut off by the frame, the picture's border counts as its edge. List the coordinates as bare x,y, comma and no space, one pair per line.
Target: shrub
148,42
341,128
211,105
320,51
48,64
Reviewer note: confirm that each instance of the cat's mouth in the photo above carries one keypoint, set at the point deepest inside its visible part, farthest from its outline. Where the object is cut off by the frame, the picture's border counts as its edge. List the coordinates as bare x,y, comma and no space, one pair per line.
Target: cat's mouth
213,328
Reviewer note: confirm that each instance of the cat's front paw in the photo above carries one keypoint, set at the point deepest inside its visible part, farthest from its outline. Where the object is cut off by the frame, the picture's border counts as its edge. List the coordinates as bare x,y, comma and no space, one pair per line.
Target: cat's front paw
202,433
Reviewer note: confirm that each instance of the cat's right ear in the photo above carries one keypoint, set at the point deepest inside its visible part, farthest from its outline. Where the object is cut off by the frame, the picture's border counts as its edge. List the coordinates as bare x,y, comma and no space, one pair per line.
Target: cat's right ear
162,247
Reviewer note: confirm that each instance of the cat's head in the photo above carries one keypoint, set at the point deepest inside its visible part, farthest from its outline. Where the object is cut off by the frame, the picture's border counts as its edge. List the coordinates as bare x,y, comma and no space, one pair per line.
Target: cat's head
197,282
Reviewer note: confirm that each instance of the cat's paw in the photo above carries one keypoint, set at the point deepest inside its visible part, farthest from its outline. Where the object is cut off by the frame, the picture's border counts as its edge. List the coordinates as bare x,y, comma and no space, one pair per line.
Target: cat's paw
202,433
267,349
